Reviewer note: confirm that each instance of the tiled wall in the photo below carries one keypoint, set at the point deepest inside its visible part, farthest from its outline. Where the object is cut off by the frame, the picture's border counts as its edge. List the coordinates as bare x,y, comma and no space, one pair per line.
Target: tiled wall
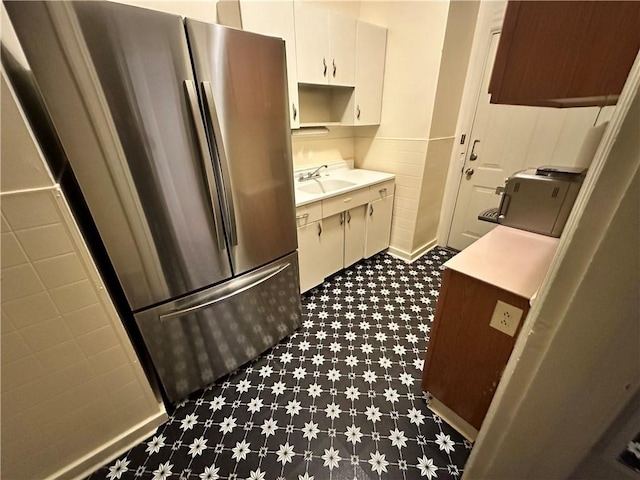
73,393
405,158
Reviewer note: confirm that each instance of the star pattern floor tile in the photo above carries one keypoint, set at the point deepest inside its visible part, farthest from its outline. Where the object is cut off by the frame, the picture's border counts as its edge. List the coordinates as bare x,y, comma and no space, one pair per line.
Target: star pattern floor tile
338,399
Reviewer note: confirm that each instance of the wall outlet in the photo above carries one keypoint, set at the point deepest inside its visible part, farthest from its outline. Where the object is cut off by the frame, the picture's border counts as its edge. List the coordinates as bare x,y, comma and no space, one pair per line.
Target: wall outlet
506,318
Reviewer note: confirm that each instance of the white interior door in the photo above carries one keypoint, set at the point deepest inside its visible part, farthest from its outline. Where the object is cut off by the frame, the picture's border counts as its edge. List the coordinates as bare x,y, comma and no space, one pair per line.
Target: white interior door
505,139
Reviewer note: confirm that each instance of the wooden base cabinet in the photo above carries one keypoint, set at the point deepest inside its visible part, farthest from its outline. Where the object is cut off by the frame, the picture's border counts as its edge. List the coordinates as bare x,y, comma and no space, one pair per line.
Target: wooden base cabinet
466,356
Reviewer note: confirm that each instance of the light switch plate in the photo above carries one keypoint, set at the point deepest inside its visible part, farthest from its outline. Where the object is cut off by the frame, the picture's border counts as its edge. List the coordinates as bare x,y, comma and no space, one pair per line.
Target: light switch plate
506,318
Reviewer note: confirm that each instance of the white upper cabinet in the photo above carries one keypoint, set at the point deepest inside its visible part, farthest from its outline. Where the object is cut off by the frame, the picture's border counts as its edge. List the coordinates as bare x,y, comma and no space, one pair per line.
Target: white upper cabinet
371,47
323,49
273,18
342,42
326,44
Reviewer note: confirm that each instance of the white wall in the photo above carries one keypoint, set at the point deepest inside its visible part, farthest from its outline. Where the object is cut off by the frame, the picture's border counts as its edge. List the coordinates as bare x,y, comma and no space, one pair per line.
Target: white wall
415,39
204,10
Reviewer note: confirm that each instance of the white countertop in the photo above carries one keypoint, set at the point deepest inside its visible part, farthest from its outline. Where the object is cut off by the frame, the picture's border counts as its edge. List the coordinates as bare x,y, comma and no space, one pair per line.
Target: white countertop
511,259
338,171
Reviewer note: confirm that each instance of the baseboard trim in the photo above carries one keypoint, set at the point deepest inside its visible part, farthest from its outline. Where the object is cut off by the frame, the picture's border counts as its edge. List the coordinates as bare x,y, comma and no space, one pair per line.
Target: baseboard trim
412,257
453,419
108,452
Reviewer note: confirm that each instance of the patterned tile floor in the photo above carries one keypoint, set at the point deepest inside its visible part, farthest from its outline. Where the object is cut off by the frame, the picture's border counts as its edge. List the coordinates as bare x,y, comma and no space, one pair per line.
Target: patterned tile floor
338,399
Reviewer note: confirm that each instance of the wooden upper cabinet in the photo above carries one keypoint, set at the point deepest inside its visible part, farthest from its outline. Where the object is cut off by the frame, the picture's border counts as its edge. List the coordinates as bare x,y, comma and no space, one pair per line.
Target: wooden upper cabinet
565,53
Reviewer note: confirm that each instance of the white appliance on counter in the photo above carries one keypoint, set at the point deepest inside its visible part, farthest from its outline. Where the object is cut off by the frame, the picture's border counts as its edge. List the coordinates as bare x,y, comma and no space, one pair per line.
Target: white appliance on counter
178,134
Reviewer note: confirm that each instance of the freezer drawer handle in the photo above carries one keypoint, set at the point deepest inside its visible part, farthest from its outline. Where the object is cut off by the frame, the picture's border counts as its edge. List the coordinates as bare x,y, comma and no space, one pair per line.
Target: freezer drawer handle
200,306
190,89
210,108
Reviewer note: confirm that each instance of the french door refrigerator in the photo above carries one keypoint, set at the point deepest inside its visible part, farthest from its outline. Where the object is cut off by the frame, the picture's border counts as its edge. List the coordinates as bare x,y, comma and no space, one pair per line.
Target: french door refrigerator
178,134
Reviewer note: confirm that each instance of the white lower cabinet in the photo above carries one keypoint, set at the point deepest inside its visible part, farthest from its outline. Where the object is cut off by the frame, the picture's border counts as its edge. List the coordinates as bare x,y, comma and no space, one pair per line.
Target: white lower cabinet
378,225
354,235
309,251
327,244
331,256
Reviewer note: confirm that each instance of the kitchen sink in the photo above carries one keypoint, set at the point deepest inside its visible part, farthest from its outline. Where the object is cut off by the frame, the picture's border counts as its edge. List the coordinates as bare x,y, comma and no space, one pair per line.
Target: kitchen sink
324,186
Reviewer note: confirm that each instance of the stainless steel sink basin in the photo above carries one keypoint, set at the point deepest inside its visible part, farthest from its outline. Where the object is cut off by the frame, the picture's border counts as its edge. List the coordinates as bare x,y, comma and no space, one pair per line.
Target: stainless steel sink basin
323,186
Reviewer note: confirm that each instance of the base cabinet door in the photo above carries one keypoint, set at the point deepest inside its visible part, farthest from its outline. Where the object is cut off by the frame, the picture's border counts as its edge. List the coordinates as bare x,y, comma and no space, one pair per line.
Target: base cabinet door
378,225
310,255
354,235
332,244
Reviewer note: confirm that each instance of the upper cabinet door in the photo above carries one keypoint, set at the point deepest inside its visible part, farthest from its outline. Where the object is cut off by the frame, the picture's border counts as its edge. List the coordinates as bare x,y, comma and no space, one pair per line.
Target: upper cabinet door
342,45
371,49
565,54
275,18
312,44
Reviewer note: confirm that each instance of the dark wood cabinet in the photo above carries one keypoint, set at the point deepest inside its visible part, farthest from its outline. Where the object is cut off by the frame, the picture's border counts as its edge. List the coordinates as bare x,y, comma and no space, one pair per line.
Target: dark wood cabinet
483,301
565,53
466,357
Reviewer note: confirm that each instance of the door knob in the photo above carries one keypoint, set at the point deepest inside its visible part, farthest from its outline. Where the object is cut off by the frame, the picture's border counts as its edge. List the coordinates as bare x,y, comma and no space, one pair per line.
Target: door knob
469,172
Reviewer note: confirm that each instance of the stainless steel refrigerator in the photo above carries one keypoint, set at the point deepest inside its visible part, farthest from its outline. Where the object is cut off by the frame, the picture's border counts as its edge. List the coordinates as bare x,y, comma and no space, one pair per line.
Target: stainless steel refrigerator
178,134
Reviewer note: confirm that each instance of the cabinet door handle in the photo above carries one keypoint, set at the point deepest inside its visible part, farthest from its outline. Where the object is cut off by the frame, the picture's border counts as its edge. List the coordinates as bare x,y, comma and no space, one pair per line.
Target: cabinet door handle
324,63
358,112
300,217
319,229
348,217
370,210
383,191
341,218
295,111
334,68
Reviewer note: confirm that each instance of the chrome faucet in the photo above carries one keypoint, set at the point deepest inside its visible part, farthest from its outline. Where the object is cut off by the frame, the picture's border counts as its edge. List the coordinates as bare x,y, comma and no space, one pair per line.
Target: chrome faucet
311,175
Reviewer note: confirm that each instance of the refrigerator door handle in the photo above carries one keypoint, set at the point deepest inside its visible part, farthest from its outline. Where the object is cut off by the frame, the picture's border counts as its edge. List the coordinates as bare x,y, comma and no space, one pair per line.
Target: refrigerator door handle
249,281
212,114
190,89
